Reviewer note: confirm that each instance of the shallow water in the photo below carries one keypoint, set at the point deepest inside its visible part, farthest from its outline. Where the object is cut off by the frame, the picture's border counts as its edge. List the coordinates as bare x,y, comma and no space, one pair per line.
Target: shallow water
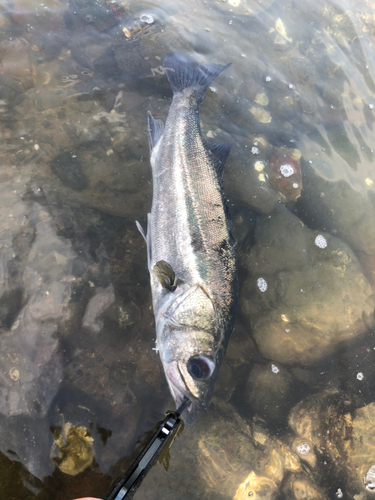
292,416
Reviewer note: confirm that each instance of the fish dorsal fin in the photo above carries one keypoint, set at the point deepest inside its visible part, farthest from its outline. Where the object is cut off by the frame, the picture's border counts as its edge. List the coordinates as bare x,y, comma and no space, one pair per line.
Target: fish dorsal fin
155,130
220,153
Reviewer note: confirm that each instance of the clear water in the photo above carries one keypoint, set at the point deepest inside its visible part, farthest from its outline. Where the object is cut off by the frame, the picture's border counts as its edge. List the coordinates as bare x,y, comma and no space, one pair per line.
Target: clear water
77,332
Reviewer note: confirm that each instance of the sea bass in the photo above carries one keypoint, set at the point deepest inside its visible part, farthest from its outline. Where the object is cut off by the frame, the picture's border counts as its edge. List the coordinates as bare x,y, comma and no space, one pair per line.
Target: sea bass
190,242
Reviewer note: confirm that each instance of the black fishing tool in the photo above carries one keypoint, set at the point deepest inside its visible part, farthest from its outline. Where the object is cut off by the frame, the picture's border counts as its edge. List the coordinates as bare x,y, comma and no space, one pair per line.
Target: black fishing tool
130,481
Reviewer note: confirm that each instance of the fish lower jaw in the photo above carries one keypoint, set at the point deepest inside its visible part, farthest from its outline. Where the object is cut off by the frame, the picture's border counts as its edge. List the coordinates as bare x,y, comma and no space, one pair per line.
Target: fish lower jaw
179,397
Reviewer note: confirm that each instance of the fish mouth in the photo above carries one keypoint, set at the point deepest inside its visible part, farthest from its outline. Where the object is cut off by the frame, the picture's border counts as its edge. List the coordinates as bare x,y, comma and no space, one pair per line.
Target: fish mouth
179,394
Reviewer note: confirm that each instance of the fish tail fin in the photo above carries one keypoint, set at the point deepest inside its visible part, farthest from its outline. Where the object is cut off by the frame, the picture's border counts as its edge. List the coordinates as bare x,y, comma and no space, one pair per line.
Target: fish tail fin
183,73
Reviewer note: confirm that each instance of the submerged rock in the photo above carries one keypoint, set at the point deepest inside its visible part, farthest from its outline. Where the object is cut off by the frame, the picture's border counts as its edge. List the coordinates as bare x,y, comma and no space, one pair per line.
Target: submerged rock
99,303
219,455
270,390
285,173
300,486
246,178
229,458
344,439
35,262
359,463
341,203
305,293
68,169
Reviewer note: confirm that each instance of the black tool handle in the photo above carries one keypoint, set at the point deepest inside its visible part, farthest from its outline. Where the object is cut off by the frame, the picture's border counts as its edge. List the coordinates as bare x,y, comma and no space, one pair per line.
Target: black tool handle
128,484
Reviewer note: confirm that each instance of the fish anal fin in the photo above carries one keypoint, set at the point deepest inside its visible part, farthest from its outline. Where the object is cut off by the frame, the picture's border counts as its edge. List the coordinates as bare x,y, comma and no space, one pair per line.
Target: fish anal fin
155,130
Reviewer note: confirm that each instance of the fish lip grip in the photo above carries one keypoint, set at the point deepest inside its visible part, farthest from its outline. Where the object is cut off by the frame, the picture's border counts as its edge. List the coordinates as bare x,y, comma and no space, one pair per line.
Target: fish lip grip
126,487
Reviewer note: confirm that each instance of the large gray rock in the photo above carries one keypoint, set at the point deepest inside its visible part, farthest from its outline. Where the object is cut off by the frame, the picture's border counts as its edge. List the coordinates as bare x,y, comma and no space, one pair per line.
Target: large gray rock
36,267
305,293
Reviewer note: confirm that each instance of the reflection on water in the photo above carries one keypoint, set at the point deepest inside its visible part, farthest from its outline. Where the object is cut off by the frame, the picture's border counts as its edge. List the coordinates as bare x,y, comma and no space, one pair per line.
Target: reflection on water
80,383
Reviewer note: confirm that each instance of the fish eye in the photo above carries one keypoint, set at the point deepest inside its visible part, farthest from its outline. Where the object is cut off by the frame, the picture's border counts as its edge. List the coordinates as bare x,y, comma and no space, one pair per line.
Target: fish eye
200,368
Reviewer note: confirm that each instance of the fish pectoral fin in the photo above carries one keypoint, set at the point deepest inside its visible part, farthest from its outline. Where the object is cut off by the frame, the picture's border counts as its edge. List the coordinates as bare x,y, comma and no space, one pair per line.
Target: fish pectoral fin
146,237
155,130
141,230
220,153
165,275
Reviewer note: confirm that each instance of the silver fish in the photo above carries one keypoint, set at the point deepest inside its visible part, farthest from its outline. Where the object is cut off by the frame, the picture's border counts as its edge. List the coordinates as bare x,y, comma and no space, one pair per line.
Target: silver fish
189,239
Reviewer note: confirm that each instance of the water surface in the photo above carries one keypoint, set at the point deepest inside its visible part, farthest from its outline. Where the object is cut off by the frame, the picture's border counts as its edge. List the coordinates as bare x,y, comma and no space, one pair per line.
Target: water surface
293,410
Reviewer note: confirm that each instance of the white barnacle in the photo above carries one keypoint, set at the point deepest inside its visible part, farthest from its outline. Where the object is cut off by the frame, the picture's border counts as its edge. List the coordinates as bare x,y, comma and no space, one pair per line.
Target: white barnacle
369,478
286,170
303,448
262,284
320,241
146,18
339,493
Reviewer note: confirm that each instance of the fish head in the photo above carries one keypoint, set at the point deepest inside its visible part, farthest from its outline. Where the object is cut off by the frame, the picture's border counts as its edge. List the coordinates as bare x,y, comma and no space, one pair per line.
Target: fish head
190,365
190,350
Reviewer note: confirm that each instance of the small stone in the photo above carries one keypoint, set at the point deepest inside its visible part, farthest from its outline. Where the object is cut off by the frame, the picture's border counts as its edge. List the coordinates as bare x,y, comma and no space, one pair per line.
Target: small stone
261,115
261,99
14,374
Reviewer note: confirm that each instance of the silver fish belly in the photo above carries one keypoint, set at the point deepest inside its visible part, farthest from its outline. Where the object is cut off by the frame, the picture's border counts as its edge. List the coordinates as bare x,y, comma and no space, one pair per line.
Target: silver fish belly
190,243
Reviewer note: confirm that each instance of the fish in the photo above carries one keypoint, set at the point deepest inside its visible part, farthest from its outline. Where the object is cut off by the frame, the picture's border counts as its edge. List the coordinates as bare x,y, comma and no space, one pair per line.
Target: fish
190,241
